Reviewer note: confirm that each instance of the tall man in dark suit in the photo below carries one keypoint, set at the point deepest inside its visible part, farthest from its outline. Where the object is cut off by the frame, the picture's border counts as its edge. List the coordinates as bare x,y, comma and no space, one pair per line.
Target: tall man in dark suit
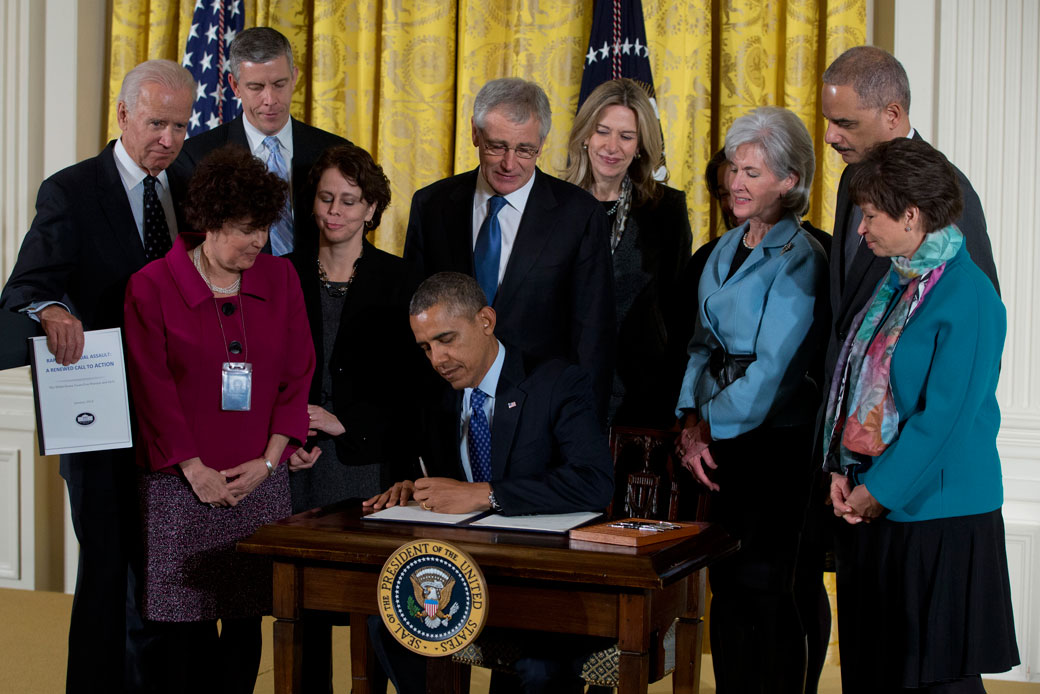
866,100
263,77
538,246
510,435
98,222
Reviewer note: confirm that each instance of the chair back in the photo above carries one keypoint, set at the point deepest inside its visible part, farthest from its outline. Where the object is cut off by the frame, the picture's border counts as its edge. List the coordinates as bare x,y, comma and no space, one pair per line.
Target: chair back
649,481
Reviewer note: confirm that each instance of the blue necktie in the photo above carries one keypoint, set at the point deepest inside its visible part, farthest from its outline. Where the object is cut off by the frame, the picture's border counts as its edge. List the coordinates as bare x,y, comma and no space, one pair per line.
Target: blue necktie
479,440
282,229
156,232
488,251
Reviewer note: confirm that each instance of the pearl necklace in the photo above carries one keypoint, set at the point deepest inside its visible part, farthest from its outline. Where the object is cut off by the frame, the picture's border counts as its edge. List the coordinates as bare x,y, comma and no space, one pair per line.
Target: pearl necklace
743,240
232,289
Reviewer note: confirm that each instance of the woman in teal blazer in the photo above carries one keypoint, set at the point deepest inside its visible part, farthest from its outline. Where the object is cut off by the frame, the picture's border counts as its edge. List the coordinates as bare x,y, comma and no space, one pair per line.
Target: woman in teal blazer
747,405
910,437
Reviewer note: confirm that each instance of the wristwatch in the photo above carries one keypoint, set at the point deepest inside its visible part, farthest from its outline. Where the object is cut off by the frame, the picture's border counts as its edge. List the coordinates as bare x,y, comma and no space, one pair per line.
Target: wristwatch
495,506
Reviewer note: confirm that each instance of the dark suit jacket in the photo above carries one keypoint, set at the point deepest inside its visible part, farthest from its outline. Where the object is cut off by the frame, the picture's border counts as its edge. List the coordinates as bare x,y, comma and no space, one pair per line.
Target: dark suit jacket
548,451
308,144
81,249
648,262
374,363
557,295
15,329
848,296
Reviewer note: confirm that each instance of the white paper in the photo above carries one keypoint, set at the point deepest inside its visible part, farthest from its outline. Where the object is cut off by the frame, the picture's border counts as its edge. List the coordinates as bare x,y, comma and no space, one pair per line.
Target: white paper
546,522
412,513
83,406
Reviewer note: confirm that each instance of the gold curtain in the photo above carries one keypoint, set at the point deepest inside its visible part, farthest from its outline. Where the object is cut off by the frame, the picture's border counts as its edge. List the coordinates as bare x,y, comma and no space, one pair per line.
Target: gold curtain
399,77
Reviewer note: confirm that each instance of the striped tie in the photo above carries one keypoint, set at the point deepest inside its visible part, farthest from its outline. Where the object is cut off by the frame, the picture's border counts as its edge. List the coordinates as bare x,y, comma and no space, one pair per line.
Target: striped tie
282,229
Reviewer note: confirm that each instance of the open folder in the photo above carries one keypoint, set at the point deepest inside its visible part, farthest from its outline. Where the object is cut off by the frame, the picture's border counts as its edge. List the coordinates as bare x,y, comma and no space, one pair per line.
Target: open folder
546,523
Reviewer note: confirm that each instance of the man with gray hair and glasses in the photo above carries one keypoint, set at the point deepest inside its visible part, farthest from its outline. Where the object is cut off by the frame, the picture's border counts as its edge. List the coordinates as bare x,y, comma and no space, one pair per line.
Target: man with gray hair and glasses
97,223
538,246
263,77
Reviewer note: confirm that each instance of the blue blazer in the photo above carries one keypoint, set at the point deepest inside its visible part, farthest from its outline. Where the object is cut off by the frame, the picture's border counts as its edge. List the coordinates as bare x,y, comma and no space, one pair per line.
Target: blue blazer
767,309
944,462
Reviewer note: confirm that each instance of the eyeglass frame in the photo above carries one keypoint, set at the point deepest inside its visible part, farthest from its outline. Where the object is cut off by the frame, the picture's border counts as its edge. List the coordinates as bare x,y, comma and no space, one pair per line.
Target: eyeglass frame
519,153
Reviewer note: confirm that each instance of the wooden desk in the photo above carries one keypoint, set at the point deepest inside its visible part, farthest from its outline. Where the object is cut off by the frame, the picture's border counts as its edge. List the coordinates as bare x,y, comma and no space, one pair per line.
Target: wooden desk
329,559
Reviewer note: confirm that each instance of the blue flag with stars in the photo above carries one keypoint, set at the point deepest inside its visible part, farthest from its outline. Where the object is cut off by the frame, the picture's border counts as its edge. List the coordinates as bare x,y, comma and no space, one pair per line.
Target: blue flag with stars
214,24
617,47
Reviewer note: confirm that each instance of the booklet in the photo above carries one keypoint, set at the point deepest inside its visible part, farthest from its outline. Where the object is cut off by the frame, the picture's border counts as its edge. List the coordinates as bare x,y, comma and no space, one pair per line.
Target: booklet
544,522
83,406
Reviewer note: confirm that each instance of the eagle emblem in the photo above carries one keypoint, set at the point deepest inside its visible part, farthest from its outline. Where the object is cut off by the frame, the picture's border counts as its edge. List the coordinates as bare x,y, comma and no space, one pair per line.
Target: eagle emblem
432,589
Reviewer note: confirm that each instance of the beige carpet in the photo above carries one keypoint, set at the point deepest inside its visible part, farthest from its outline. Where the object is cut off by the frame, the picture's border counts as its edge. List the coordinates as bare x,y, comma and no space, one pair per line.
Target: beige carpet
34,628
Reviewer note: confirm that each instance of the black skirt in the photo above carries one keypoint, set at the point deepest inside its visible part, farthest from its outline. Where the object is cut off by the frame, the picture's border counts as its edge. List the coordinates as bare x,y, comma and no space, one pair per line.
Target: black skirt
924,602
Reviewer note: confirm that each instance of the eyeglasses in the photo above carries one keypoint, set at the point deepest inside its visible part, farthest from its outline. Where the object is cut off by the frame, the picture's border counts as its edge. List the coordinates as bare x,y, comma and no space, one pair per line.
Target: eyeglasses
497,149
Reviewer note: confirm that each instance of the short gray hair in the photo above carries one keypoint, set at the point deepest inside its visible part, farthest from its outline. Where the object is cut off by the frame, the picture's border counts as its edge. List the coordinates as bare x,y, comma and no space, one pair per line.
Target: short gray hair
165,73
874,74
458,293
786,146
520,99
258,45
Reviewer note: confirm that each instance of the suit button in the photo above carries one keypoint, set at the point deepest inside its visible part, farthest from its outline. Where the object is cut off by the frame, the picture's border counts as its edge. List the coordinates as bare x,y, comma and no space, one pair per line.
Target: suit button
235,347
228,308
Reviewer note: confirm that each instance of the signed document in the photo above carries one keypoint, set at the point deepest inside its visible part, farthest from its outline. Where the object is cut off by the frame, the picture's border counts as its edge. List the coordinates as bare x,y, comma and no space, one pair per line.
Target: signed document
83,406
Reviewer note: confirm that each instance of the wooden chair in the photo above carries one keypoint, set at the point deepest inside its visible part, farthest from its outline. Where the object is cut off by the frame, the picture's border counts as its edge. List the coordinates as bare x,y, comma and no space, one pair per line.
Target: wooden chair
649,482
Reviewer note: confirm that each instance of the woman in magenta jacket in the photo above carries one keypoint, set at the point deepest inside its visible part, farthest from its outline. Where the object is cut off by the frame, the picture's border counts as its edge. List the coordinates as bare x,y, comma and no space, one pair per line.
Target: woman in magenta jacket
220,362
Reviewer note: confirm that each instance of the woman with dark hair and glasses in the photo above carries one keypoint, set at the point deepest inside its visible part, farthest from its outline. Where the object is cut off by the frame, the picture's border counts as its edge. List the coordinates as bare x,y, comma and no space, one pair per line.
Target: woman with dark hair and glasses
910,439
369,368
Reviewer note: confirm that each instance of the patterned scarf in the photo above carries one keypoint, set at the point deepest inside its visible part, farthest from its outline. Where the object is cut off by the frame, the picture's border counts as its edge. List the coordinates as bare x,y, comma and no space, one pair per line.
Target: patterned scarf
861,417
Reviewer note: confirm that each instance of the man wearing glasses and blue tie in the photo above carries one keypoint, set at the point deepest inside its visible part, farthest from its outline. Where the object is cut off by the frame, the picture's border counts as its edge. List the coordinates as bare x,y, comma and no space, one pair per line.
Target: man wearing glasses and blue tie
538,246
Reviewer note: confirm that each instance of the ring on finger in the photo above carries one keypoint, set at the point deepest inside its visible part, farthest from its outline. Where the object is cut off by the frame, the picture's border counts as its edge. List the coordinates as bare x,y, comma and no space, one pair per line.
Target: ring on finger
424,506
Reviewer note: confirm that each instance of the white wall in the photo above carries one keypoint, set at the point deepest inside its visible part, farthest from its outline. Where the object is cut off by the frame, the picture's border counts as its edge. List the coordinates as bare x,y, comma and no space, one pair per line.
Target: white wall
51,81
974,72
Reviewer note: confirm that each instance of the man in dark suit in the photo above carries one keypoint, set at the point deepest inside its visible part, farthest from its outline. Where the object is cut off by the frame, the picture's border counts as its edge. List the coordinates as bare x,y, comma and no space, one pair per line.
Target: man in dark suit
538,246
263,76
511,436
866,100
98,222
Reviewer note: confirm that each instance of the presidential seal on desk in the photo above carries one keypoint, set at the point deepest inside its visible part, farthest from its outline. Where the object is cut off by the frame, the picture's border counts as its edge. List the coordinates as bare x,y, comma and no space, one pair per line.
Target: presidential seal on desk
432,597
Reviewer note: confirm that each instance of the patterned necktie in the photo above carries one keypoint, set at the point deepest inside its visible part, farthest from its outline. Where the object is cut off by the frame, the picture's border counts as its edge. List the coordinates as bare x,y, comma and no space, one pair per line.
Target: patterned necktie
479,439
282,229
156,232
488,251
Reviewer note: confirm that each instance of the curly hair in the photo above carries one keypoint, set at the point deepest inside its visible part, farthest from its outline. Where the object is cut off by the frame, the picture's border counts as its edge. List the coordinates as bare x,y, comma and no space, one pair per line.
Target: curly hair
903,173
231,185
358,166
619,92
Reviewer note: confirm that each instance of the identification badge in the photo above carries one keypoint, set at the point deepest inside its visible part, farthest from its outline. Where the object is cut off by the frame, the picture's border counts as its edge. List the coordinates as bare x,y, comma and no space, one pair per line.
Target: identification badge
236,379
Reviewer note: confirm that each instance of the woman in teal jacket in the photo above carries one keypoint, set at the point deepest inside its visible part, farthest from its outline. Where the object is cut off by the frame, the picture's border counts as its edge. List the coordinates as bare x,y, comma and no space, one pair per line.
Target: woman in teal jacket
747,404
910,439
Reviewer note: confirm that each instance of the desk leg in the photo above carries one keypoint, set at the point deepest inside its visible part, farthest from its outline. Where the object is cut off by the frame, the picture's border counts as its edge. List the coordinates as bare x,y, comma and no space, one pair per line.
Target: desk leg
445,676
689,635
360,653
633,643
288,634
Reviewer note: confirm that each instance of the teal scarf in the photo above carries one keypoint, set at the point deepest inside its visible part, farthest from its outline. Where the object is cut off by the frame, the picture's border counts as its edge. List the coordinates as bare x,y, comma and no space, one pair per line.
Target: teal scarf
861,418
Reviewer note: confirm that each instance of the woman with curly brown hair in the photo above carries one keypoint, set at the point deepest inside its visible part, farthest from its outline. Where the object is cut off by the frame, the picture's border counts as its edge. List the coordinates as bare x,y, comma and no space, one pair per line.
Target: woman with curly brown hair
220,361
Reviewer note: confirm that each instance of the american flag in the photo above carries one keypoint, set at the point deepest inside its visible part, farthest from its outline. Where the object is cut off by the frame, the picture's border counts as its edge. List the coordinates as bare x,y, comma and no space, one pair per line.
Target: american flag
617,47
214,24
